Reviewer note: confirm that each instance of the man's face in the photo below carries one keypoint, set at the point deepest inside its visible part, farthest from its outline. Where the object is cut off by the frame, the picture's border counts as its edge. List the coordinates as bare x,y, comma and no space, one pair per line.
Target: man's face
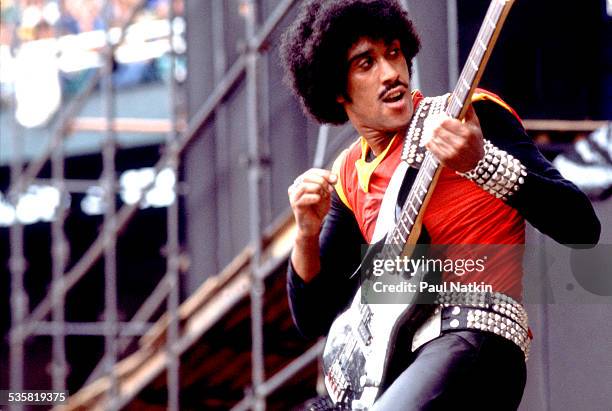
378,85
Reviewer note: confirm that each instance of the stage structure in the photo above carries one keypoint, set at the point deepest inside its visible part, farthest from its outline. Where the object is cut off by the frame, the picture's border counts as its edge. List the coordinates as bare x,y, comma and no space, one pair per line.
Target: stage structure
47,317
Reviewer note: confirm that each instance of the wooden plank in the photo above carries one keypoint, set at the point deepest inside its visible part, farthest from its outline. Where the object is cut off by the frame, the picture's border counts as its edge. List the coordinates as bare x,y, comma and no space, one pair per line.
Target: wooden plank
563,125
126,125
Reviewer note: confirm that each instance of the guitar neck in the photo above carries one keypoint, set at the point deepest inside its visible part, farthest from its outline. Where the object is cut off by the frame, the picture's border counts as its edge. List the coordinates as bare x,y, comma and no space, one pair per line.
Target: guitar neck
412,211
478,58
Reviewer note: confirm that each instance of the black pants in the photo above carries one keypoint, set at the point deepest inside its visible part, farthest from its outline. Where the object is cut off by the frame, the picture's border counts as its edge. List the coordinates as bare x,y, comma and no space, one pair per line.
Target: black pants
459,370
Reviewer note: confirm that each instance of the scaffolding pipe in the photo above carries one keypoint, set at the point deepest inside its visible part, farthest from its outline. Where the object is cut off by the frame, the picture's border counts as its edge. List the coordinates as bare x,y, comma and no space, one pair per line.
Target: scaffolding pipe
80,186
319,158
59,258
222,151
255,175
284,375
17,262
109,236
131,328
293,368
59,252
453,42
415,78
144,314
261,38
263,110
172,231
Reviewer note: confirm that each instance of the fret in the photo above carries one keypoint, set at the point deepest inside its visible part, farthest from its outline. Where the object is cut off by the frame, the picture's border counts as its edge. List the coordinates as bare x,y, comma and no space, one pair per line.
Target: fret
416,212
401,237
457,99
482,44
453,110
394,239
424,189
403,224
409,219
474,65
490,22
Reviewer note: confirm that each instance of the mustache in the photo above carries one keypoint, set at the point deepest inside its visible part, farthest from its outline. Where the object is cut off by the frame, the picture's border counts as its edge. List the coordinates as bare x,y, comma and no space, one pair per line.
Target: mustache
389,87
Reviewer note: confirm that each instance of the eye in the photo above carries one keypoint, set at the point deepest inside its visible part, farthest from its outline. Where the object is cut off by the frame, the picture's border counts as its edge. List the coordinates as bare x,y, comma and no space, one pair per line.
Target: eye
365,63
395,51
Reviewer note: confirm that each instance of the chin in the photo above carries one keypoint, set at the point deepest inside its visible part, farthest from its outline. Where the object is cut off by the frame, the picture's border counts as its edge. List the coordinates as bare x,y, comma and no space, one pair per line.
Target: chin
396,124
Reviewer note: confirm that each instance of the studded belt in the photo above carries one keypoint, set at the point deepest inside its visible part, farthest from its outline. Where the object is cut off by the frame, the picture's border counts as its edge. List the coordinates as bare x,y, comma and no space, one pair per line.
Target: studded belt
490,312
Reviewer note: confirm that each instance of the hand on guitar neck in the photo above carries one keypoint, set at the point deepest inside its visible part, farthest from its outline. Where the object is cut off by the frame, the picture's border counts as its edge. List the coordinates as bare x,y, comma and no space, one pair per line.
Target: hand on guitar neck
457,144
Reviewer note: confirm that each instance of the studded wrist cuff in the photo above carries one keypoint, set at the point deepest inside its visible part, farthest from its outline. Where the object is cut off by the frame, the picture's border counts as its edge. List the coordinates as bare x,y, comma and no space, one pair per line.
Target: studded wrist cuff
498,172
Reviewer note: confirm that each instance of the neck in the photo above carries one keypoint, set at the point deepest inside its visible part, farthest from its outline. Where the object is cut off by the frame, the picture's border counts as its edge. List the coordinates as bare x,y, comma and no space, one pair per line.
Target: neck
378,141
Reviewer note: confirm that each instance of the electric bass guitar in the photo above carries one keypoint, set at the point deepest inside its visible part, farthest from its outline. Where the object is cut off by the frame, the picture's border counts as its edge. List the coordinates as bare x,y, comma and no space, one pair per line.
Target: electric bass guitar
361,340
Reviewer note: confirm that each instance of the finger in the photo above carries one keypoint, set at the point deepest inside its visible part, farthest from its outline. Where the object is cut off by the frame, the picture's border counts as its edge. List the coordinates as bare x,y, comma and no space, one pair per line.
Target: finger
326,174
305,189
454,126
440,147
308,199
431,124
320,181
440,151
452,139
322,177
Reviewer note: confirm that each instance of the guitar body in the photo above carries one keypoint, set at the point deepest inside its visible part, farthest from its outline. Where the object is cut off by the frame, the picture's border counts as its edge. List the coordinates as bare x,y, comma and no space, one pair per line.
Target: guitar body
360,342
358,351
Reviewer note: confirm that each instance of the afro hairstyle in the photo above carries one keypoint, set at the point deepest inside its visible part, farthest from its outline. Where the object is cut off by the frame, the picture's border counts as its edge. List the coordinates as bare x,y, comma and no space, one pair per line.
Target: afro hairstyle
314,48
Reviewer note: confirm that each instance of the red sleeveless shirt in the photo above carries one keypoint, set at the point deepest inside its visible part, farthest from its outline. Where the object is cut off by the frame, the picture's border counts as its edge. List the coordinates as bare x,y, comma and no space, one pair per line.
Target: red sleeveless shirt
459,211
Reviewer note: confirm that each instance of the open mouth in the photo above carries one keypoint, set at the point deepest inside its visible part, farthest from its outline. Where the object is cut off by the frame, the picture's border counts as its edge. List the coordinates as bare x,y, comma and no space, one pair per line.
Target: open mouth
393,96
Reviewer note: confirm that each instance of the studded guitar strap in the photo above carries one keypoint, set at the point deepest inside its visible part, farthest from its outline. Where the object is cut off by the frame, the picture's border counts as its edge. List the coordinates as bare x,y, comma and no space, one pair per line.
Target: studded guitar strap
413,154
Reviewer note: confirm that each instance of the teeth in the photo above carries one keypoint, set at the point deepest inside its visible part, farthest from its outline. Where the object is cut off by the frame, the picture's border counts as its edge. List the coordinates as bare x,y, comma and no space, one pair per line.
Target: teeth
393,95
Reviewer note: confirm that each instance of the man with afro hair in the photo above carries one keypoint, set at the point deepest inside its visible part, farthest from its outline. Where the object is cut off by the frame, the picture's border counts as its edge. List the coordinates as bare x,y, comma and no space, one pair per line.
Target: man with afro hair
351,60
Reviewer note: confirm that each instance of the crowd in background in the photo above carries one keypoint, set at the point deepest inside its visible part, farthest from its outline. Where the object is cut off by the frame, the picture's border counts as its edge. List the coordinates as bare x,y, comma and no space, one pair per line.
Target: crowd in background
53,46
36,19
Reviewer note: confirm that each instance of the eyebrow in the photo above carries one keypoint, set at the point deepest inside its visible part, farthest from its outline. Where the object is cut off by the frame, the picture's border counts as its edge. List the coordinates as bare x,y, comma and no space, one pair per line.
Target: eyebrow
359,55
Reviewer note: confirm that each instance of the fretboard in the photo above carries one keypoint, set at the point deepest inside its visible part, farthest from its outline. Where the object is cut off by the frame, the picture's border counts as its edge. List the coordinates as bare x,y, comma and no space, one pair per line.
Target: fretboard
458,103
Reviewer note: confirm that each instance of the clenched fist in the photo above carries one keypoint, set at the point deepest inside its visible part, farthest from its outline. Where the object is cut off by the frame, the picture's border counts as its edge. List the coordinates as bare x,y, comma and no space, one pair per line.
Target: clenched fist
310,200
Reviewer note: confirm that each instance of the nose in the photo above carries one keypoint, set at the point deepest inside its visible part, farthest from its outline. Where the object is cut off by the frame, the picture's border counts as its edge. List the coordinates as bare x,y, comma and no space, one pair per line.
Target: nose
388,71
